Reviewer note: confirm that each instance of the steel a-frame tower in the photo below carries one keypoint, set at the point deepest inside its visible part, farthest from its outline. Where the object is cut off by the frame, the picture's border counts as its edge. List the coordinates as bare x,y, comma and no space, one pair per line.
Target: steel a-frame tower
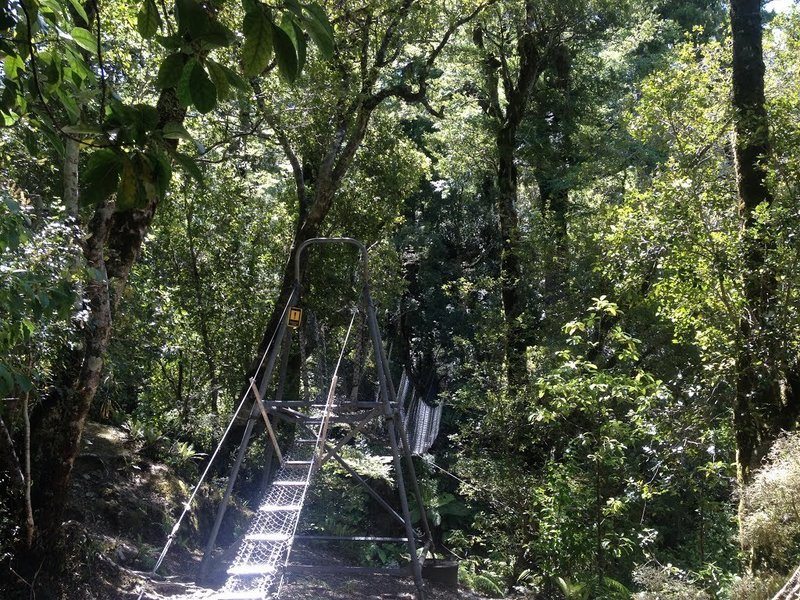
263,556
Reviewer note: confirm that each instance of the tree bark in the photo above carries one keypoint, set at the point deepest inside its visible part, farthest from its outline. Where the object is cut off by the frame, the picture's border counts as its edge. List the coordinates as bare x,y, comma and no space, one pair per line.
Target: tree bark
110,250
72,154
508,116
757,380
58,422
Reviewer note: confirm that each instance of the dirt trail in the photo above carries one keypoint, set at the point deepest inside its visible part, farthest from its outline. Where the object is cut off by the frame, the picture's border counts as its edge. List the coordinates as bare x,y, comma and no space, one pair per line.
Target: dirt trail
122,506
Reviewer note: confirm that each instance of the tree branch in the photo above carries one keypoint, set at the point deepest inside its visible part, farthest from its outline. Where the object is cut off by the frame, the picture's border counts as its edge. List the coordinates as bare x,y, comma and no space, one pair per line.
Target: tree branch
7,441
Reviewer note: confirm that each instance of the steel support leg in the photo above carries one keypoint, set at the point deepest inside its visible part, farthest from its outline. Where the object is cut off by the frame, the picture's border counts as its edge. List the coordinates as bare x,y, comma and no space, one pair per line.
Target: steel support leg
384,377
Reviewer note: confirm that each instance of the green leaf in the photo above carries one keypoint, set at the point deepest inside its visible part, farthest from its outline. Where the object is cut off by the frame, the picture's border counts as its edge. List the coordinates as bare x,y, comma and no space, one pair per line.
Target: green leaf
188,164
12,64
148,20
289,25
300,43
203,90
52,7
169,73
147,187
220,79
192,18
6,381
145,116
70,105
285,53
83,129
170,42
101,175
162,171
196,88
175,131
257,48
294,6
183,91
319,28
216,36
85,39
24,383
235,79
80,10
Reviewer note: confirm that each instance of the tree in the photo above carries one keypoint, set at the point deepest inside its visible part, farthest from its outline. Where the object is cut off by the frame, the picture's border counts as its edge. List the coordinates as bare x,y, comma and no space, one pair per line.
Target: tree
376,63
762,409
128,174
516,43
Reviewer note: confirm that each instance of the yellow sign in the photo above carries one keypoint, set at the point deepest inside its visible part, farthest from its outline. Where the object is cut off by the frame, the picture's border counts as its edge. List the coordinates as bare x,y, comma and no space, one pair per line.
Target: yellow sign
295,316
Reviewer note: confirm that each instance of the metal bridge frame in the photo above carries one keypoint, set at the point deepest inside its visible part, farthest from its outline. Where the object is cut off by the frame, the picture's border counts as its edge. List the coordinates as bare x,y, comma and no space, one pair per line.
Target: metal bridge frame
385,409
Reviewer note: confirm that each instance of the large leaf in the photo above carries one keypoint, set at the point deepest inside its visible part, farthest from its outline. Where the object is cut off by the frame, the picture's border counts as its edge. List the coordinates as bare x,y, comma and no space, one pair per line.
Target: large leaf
236,80
69,103
257,48
294,6
145,117
101,175
196,88
85,39
175,131
192,18
145,166
203,90
289,25
169,73
285,53
148,20
188,164
162,171
80,10
319,28
220,79
83,129
12,64
170,42
216,36
6,381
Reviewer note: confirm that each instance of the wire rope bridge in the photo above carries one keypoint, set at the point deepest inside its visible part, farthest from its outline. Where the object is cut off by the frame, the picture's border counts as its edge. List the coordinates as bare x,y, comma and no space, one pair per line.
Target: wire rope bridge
263,556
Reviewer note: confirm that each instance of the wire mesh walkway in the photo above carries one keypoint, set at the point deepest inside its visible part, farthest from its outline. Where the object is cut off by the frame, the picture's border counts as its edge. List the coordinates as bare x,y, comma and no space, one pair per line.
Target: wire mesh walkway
257,571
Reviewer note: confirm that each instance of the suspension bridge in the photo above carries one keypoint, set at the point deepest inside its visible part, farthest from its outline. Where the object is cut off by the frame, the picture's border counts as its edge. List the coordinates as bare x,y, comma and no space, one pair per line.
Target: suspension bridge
263,558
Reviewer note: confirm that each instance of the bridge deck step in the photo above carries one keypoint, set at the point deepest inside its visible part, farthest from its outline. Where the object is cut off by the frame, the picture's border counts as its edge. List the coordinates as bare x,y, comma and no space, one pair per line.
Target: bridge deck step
280,508
258,569
241,595
267,537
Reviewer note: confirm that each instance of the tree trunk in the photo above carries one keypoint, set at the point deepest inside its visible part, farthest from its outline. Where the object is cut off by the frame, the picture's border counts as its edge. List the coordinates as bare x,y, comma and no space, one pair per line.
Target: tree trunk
517,333
57,424
72,154
508,116
757,388
110,250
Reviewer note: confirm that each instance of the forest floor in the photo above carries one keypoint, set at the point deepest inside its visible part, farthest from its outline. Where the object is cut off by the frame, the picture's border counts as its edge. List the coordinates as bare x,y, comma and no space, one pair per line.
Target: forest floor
122,505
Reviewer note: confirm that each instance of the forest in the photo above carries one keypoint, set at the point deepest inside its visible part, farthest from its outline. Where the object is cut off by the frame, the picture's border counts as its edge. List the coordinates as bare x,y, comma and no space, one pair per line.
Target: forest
583,224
